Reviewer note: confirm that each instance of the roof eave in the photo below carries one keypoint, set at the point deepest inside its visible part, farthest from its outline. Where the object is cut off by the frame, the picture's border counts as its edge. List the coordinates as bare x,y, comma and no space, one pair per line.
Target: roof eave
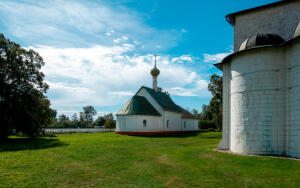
231,17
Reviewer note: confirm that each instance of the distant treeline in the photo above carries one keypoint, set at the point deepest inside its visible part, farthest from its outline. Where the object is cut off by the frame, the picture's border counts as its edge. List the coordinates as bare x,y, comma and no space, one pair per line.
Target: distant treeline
85,120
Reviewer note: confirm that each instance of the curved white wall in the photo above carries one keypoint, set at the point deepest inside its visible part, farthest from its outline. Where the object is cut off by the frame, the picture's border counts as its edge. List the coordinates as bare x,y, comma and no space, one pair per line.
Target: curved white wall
257,102
293,101
261,101
135,123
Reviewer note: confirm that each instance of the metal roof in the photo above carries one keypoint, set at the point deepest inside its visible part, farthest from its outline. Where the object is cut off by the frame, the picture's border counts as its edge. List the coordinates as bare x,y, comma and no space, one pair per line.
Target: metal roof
138,105
186,114
164,100
229,57
262,39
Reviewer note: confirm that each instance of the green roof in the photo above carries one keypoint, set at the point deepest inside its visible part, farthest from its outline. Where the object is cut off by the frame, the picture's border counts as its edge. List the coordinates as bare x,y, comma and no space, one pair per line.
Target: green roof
186,114
138,105
164,100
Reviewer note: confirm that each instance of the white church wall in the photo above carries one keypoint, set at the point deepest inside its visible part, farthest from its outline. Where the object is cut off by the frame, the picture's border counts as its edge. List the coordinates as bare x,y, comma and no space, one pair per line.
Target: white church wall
174,120
225,142
293,101
135,123
257,102
189,124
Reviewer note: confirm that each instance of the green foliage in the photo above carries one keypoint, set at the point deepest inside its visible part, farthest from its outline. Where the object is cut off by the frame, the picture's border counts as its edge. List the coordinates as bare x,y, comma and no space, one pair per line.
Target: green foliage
99,121
64,121
215,105
110,124
85,119
206,124
23,106
108,116
87,115
111,160
206,113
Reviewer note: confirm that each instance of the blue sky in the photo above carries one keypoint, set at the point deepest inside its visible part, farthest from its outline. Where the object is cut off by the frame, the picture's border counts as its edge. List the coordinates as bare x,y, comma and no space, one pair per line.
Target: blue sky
99,52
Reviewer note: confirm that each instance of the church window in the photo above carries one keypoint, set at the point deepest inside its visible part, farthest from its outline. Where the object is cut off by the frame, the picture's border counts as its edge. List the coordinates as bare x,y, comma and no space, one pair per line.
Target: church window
167,123
184,124
144,123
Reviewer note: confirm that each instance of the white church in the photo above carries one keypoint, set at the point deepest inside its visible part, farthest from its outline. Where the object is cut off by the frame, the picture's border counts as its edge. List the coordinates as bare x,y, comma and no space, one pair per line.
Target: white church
261,81
152,111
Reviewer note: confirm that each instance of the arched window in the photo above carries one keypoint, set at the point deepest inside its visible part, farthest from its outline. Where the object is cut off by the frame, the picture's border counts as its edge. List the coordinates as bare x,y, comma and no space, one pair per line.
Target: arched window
167,123
184,124
144,123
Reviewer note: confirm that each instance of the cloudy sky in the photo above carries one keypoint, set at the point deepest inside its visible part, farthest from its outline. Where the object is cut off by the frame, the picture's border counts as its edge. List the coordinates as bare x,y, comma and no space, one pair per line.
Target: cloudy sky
100,52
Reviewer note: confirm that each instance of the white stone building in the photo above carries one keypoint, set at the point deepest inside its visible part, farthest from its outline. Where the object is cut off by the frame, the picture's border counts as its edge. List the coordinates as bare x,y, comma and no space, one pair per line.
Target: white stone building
261,81
152,111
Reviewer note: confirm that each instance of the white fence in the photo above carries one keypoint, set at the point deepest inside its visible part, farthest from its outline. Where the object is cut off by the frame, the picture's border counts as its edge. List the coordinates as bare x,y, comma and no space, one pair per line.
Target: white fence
75,130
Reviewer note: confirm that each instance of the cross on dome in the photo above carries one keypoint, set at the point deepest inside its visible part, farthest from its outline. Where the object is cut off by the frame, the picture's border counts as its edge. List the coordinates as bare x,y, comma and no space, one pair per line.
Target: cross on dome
155,71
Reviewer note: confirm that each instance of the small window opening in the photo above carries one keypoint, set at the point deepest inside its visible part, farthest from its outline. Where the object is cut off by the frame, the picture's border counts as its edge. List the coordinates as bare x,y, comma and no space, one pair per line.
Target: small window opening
167,123
144,123
184,125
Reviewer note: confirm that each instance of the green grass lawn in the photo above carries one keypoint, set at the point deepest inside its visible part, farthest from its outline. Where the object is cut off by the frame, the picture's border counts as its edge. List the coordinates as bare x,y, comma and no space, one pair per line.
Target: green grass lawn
110,160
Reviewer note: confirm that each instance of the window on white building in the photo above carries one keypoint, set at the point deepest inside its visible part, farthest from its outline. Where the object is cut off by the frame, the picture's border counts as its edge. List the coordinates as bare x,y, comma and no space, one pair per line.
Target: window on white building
184,124
167,123
144,123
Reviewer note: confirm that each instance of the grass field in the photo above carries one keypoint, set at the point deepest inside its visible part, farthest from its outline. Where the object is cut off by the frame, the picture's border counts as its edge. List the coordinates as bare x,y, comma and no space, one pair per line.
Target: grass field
110,160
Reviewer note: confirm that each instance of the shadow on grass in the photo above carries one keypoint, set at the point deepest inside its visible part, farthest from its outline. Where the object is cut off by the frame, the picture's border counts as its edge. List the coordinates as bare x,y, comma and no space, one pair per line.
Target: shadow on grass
17,144
170,135
211,137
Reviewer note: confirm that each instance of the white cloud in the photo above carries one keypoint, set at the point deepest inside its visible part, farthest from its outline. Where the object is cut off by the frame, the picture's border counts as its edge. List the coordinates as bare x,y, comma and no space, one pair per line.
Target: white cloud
106,76
183,59
137,42
183,30
93,51
74,23
199,88
117,40
69,113
122,93
215,58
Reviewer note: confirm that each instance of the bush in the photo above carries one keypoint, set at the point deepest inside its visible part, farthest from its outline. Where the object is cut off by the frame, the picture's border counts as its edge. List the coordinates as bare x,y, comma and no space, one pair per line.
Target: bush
206,124
110,124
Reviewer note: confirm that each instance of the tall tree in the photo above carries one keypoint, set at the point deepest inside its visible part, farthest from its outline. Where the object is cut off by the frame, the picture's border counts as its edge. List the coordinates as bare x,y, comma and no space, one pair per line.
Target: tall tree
87,115
215,105
206,113
74,118
100,121
195,112
110,124
108,116
64,120
23,106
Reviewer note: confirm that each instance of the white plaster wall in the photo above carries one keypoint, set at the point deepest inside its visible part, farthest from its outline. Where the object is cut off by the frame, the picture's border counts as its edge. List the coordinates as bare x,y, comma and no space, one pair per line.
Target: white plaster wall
293,101
174,121
280,20
143,92
135,123
257,101
225,142
191,124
